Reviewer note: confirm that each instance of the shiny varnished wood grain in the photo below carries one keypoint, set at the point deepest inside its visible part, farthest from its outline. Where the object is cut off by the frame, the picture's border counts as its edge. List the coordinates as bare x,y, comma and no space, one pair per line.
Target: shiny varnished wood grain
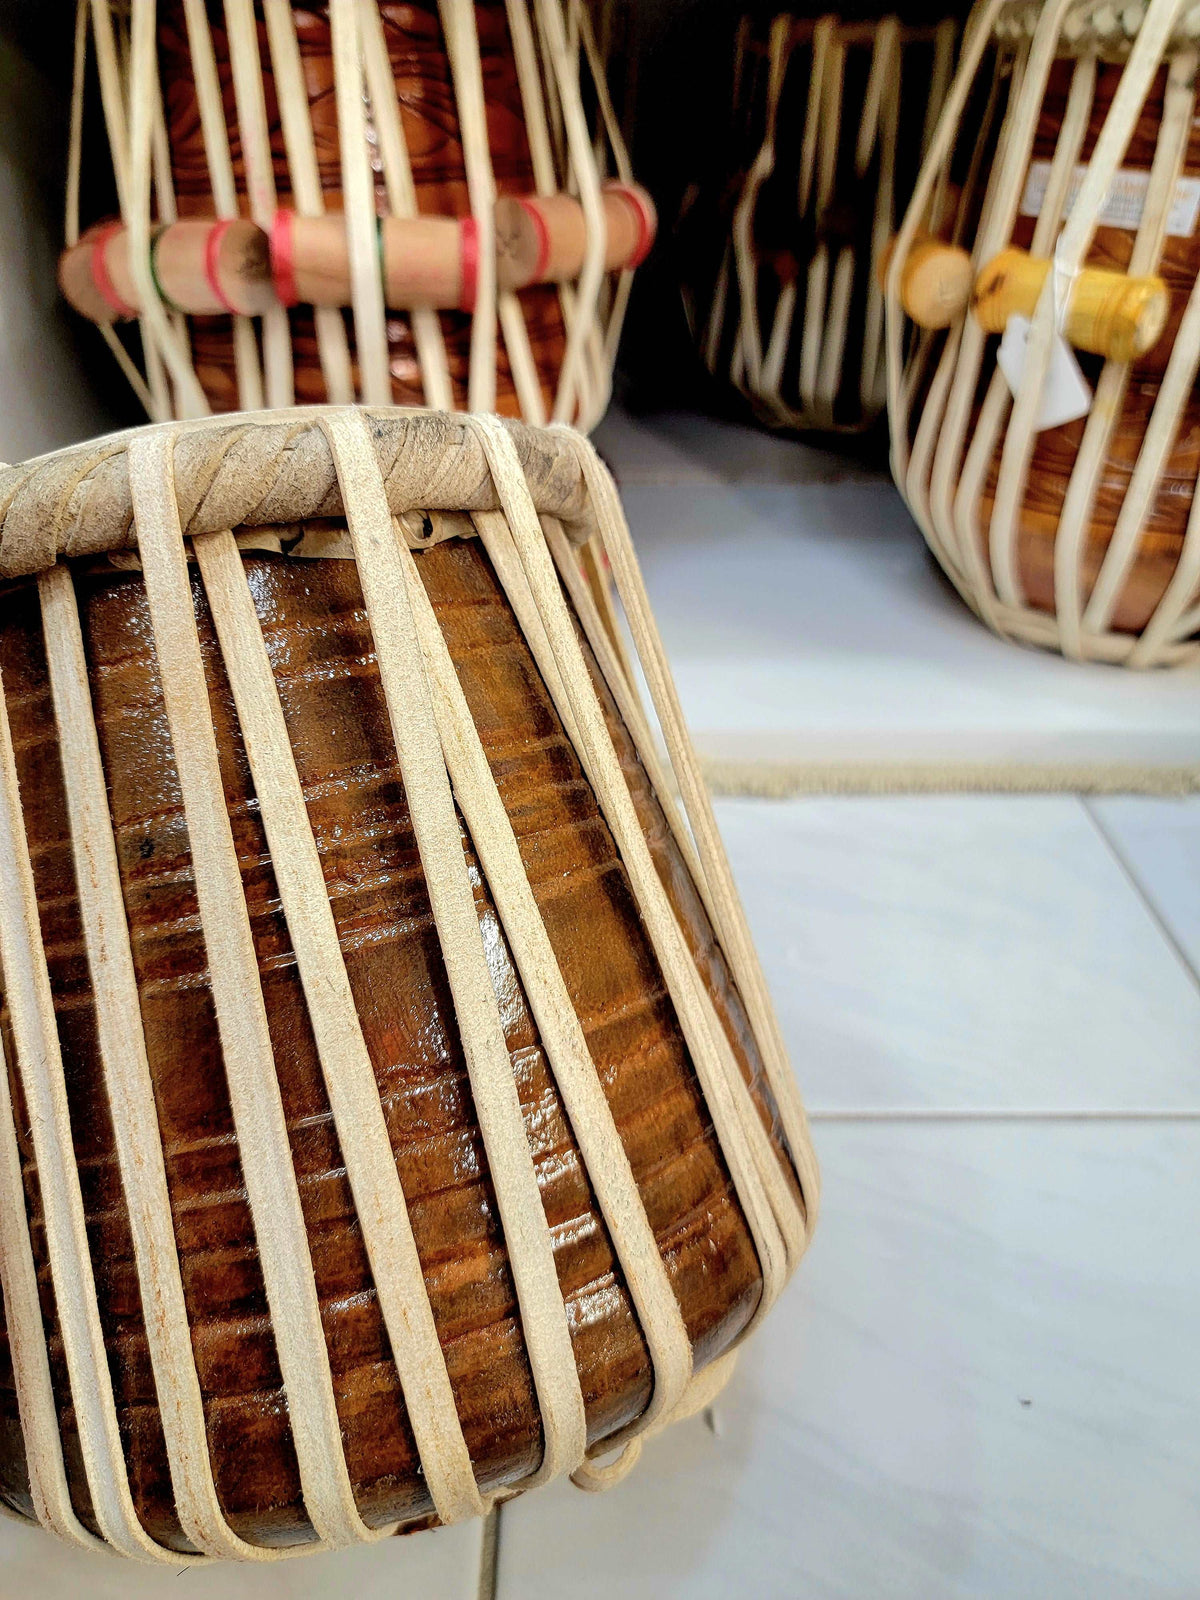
321,652
425,92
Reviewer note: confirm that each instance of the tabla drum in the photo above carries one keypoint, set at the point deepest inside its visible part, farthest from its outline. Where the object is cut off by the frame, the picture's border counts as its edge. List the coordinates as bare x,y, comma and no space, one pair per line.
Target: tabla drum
1065,516
338,201
394,1117
830,117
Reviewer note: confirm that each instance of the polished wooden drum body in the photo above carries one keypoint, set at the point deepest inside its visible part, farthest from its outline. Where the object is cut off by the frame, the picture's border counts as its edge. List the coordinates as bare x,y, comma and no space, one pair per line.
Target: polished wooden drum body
831,117
607,1079
262,108
1072,536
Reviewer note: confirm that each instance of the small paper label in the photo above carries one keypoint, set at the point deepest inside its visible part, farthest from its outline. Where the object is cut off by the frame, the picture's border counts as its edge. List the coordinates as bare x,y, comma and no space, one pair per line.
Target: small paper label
1126,201
1065,395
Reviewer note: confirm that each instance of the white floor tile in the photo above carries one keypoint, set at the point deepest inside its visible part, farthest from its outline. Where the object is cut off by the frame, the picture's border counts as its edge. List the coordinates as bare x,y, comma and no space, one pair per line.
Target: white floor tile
809,623
962,951
983,1384
1159,843
441,1564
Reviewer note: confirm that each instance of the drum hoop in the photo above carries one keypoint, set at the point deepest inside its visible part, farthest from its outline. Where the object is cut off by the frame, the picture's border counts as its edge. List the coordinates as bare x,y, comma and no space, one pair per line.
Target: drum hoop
271,469
1107,30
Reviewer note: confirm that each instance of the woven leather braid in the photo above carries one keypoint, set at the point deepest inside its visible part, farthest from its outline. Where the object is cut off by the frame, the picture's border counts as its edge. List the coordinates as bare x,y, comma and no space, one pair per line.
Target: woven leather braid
259,470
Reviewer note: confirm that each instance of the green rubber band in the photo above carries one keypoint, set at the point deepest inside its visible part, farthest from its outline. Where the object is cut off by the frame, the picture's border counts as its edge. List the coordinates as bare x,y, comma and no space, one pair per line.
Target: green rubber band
154,279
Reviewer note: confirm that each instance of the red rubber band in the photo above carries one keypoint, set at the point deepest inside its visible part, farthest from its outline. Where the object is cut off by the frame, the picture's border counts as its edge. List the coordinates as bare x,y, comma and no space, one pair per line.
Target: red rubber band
468,282
283,274
100,277
647,224
211,246
543,237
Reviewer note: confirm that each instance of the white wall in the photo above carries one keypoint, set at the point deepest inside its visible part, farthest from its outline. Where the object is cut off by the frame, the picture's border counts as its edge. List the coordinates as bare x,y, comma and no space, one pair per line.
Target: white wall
46,397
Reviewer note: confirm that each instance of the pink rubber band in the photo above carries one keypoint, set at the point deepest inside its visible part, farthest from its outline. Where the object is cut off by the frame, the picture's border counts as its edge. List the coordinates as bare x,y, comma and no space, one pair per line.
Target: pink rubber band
543,237
647,224
211,246
468,264
283,273
100,276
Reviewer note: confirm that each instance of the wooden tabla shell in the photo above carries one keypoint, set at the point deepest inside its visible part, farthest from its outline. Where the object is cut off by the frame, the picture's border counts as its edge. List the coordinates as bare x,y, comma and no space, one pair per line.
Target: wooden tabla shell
831,119
395,1116
1078,538
360,109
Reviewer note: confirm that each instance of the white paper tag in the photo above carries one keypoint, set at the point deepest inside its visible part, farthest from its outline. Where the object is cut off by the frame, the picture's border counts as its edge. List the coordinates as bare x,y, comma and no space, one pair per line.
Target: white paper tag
1125,203
1066,396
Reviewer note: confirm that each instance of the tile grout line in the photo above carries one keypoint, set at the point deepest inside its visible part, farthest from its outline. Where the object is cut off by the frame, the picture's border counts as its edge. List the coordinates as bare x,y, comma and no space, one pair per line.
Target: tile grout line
1131,877
1047,1114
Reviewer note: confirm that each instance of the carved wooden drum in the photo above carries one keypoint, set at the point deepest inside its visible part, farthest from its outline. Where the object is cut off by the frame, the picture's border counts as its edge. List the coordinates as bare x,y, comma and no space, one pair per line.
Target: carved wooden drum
394,1116
1065,517
340,200
831,118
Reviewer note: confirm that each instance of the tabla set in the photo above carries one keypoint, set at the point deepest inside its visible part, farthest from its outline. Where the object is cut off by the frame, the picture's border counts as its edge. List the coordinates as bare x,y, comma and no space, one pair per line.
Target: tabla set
394,1118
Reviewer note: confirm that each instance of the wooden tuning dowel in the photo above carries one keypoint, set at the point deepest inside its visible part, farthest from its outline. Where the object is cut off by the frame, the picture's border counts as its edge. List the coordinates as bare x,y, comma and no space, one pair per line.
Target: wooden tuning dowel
202,266
543,238
426,261
935,281
86,278
433,261
1110,314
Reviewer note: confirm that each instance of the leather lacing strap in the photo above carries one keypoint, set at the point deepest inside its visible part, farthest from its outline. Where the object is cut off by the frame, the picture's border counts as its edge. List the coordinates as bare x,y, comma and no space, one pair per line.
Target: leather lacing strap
345,1061
40,1069
127,1078
754,1169
603,772
401,193
254,142
333,348
443,761
358,200
210,106
587,1108
254,1091
531,583
36,1402
616,675
729,918
427,788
